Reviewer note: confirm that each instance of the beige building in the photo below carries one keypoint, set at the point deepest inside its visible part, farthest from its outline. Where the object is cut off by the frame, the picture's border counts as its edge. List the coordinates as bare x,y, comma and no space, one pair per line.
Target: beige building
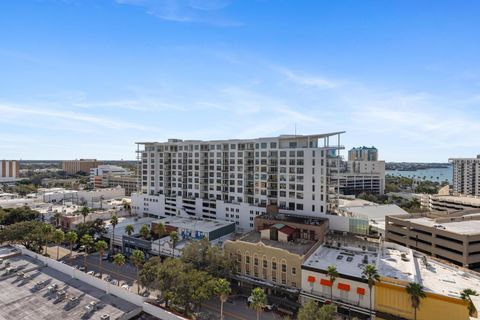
272,255
82,165
9,170
466,176
454,238
129,183
363,154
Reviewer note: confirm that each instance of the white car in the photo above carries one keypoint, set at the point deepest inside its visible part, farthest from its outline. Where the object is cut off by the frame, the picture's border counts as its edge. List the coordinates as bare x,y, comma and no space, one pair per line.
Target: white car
91,273
114,282
125,286
269,307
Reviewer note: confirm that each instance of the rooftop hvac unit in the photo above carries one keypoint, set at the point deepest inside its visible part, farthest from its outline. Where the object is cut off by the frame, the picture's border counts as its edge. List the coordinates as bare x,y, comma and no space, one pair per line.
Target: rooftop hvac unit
105,317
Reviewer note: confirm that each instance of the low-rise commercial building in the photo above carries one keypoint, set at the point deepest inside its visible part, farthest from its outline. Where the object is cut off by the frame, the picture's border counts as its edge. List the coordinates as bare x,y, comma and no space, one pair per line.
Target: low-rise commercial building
455,237
272,255
397,266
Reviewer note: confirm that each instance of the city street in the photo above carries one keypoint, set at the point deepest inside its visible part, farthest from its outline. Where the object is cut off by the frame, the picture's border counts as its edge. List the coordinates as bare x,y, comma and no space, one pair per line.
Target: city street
237,309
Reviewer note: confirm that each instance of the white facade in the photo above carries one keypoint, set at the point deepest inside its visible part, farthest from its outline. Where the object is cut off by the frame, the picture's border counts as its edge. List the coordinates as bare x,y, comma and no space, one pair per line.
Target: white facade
109,169
466,176
95,198
235,180
362,176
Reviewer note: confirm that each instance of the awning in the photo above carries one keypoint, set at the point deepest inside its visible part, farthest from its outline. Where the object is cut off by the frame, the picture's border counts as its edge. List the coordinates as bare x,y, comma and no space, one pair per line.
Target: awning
343,286
311,279
325,282
361,291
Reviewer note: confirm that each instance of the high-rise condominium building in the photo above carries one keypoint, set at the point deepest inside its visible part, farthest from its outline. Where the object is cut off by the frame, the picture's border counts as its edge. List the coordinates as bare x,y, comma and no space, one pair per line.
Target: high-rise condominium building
363,154
466,175
235,180
82,165
9,170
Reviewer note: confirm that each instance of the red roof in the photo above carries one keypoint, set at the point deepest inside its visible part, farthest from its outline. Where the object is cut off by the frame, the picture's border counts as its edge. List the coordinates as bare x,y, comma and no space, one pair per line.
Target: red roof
287,230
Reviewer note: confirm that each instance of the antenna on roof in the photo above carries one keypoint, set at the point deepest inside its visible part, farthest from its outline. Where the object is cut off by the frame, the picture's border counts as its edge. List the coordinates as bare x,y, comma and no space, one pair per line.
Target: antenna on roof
295,128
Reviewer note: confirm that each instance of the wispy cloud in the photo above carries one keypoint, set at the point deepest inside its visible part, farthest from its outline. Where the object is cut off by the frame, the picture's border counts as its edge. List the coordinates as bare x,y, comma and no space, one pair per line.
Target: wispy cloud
196,11
308,80
45,115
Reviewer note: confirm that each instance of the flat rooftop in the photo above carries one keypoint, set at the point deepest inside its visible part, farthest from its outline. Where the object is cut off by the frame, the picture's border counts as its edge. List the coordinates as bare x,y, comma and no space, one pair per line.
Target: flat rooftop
397,262
348,260
297,246
475,201
19,299
293,218
469,226
280,137
203,225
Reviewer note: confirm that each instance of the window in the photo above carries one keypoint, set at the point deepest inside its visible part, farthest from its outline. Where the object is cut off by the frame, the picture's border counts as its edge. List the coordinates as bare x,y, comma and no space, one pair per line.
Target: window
265,263
284,267
274,265
247,259
294,270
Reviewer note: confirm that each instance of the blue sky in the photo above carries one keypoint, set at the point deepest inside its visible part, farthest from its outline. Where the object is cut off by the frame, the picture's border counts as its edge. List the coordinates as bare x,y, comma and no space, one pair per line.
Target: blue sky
88,78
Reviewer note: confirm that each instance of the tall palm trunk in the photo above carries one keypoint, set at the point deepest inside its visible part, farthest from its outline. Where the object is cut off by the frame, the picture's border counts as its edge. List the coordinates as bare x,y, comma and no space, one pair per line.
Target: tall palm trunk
138,283
112,242
58,250
85,261
221,309
258,314
370,303
71,250
101,261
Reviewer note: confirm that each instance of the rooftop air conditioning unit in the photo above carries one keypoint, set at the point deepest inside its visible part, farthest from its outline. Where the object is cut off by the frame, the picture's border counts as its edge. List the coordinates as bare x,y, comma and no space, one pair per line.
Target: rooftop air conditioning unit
105,317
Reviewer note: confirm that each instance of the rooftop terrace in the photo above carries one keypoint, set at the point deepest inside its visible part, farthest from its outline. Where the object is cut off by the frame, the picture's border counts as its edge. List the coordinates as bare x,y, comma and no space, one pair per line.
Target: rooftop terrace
298,246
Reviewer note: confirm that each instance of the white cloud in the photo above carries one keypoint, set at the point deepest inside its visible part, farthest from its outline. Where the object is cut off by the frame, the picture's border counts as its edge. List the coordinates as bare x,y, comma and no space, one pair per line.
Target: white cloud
198,11
313,81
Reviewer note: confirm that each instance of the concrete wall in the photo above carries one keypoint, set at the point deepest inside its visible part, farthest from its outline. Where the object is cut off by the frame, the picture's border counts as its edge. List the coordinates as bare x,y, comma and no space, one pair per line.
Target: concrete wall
104,285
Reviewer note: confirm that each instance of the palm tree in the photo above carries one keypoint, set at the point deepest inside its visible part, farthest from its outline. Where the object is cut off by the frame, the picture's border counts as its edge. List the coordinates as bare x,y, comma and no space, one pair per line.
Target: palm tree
58,237
258,300
222,288
129,229
119,260
47,231
57,216
137,258
160,228
87,242
371,274
71,237
145,231
101,247
113,222
332,274
465,295
416,293
174,239
84,212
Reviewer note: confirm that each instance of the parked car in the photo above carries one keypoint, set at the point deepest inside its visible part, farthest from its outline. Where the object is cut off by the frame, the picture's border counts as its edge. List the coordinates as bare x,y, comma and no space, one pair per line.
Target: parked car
126,286
91,273
98,275
268,306
114,282
82,268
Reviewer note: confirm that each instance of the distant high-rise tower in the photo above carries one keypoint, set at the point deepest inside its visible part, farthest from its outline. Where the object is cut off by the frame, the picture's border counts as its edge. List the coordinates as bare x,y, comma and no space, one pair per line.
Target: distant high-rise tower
363,154
466,175
9,170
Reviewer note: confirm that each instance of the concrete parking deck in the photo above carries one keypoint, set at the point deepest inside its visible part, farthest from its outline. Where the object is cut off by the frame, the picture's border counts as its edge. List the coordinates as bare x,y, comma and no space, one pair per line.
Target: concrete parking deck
20,300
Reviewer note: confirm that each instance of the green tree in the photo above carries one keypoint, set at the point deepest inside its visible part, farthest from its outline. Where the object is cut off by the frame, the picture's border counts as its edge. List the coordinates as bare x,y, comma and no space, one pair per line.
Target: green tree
57,215
145,232
119,260
129,229
71,237
223,290
58,236
161,230
137,258
84,212
327,312
416,293
174,239
87,242
312,311
371,274
47,232
101,246
26,233
113,222
465,295
95,228
258,300
332,274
